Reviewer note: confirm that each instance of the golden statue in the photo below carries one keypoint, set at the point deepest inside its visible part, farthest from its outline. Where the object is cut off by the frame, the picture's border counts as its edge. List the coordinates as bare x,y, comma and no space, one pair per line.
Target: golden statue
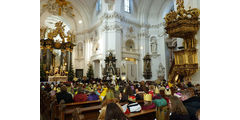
50,34
70,37
43,30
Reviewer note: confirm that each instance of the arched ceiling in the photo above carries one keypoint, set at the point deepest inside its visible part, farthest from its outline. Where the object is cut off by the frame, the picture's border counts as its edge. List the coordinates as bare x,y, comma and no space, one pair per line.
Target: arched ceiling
82,10
147,12
152,11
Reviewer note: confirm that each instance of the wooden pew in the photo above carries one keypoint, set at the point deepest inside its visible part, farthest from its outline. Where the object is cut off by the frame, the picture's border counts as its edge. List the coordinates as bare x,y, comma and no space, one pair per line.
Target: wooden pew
143,115
92,113
65,108
88,113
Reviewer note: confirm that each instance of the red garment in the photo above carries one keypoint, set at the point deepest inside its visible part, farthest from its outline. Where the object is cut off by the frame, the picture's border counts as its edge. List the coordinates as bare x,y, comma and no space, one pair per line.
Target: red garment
80,98
167,99
151,92
152,106
127,111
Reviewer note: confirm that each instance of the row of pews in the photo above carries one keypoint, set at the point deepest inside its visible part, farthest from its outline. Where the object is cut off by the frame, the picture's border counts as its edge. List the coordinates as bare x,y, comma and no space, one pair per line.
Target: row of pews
88,110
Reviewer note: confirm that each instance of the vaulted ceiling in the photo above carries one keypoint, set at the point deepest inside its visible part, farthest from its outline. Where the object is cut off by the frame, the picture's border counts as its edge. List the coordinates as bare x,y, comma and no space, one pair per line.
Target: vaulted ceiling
147,11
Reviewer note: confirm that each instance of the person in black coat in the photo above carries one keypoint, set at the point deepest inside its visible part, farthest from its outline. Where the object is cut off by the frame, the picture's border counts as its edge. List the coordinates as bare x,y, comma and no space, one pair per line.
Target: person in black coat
177,109
191,102
64,95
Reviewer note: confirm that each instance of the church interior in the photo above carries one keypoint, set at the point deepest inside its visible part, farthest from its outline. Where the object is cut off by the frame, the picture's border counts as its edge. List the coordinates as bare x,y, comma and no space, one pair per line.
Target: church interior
120,59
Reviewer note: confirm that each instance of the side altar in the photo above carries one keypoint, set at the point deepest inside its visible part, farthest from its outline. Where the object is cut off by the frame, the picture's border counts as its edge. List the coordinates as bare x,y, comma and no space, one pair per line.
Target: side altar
56,47
57,78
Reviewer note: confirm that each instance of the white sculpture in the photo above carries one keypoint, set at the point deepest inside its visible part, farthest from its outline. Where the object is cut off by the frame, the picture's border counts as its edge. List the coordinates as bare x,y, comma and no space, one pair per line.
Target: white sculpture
153,44
161,72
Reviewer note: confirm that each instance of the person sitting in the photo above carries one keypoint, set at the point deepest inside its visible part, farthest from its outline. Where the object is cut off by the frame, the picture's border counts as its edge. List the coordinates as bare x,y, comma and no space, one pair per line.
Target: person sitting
148,104
103,93
117,92
132,106
139,94
159,100
93,96
126,93
157,94
151,90
177,109
143,87
113,112
191,102
64,95
109,98
80,96
168,91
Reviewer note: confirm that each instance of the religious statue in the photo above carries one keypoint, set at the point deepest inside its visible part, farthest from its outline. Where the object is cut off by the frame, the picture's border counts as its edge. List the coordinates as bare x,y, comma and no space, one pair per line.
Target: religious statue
161,72
153,45
147,67
56,72
110,65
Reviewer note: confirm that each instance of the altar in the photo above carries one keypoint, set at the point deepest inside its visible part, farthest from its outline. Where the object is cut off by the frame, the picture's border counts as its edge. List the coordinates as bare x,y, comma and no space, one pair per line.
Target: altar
57,78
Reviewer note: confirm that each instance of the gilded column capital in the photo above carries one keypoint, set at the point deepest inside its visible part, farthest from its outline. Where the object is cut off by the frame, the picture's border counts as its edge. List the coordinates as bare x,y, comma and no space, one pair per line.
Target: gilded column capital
48,46
67,49
42,47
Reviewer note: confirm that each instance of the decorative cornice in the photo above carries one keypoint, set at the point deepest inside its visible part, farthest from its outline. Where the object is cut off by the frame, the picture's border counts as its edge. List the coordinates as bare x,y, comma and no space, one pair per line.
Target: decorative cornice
144,34
56,7
154,55
122,18
114,27
130,55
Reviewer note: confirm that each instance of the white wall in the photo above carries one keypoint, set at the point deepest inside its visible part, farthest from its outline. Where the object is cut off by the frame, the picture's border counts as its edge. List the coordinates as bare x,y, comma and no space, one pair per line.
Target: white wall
112,27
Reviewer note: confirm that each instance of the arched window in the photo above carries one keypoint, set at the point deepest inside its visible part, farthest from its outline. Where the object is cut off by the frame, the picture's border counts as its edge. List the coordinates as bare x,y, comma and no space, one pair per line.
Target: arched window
98,5
127,6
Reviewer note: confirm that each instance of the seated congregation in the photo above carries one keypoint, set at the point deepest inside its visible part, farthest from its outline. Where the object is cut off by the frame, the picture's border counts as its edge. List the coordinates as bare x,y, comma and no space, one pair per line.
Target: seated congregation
123,101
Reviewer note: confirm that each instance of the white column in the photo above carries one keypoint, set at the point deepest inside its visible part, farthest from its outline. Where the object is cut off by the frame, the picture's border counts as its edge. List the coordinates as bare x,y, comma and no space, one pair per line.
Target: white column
144,49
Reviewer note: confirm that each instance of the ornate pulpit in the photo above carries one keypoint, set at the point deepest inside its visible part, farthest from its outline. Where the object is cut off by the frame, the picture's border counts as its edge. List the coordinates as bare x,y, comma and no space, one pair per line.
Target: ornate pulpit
184,24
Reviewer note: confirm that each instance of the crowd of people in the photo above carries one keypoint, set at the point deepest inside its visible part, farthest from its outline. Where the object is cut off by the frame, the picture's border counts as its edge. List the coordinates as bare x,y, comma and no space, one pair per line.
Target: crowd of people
183,100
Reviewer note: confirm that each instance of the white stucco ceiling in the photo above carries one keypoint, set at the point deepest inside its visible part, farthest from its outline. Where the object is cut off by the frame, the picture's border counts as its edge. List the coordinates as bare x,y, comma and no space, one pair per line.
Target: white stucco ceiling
146,11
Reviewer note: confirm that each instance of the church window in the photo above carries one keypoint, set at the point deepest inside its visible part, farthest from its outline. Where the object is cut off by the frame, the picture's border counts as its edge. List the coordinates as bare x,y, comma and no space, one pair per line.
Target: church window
127,6
98,6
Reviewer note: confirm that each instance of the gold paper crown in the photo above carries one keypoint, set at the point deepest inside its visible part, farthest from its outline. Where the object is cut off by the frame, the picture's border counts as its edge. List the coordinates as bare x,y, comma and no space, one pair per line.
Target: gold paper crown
94,86
162,88
91,90
168,92
147,97
182,20
156,90
116,88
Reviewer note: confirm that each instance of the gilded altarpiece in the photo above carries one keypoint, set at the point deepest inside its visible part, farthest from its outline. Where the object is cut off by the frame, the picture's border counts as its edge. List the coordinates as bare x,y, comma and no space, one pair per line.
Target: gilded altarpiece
56,55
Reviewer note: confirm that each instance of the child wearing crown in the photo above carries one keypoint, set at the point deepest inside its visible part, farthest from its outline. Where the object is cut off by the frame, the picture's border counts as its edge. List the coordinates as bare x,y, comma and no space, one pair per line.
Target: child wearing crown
148,104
